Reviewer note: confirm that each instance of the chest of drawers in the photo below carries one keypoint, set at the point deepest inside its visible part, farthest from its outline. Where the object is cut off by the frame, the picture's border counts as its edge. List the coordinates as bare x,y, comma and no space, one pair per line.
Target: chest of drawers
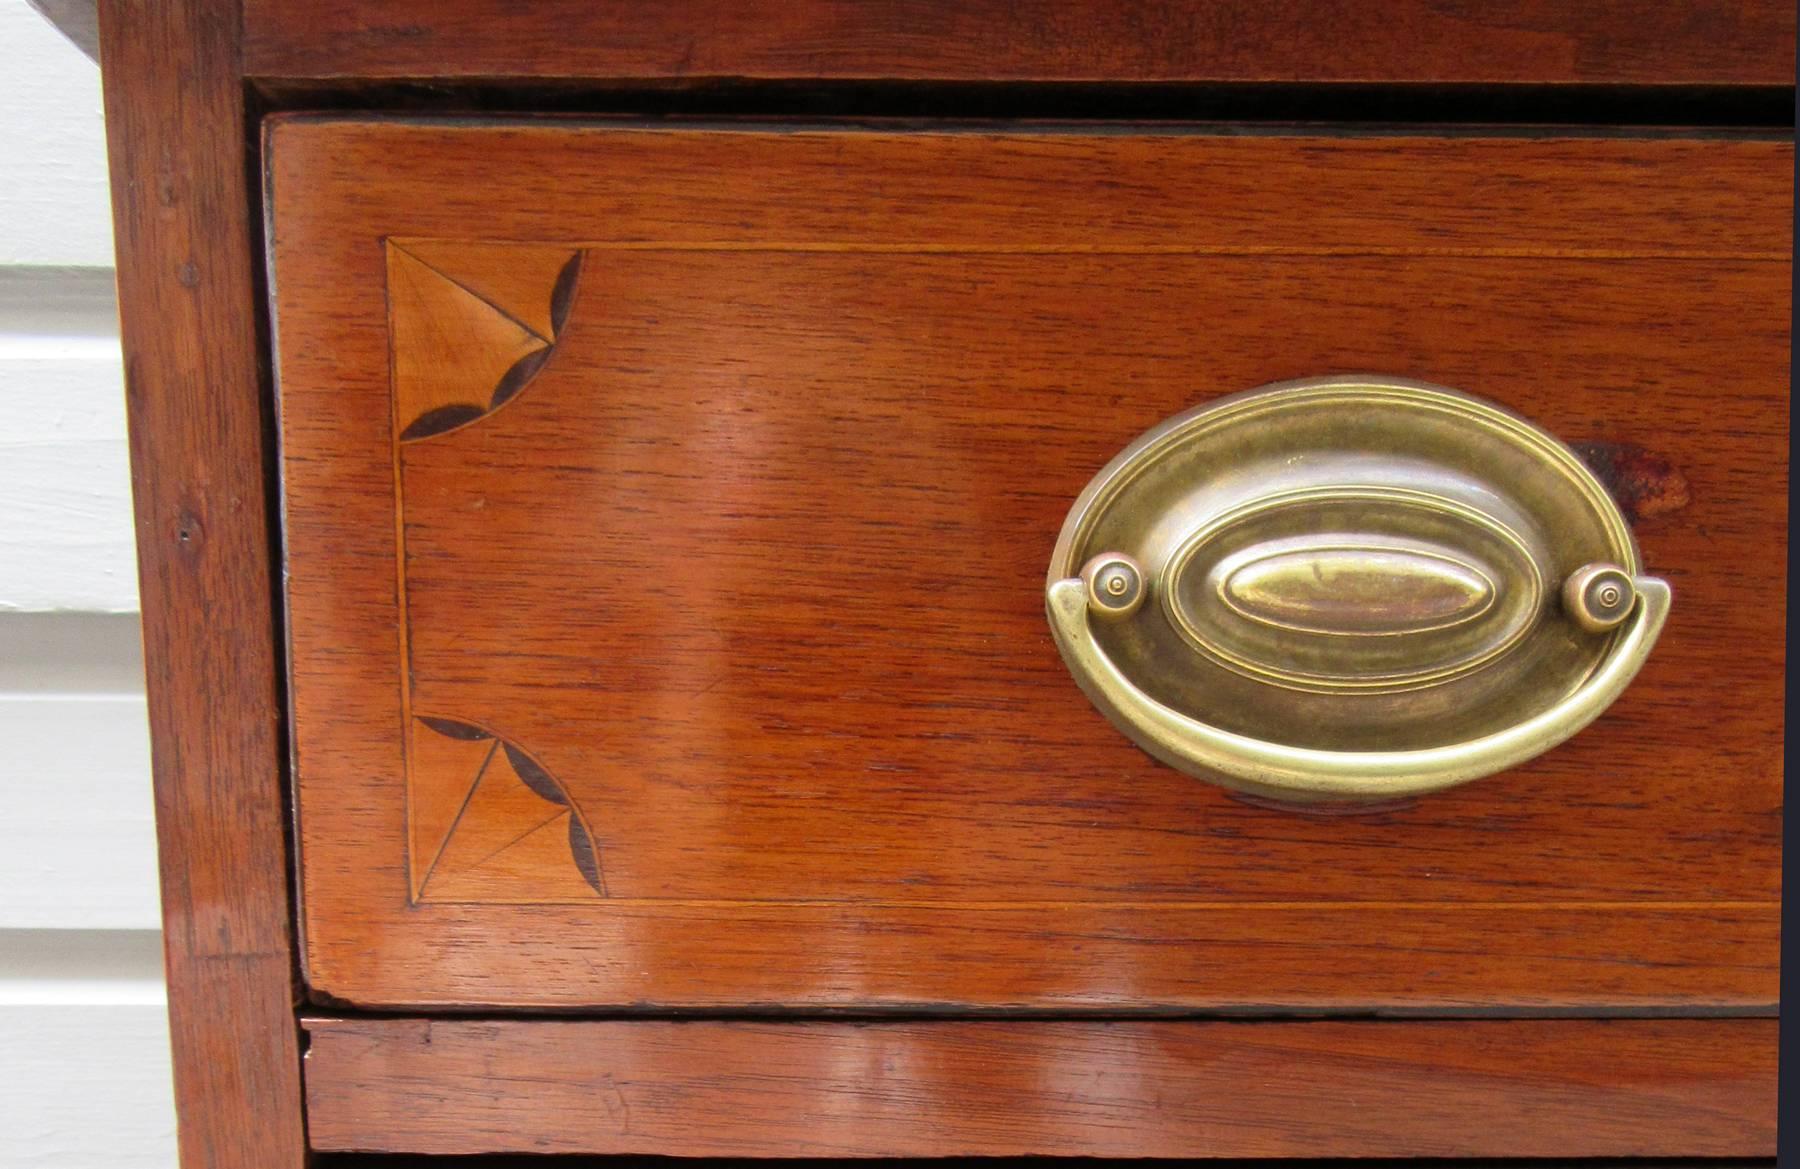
606,490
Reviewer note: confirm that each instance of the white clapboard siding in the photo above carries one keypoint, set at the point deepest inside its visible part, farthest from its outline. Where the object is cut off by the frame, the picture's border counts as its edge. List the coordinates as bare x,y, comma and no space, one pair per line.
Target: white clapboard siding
77,839
77,834
84,1050
66,539
84,1041
53,187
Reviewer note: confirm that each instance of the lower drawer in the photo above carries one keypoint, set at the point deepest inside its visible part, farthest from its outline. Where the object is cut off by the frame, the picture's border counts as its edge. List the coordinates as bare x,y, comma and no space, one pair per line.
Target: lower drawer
1449,1088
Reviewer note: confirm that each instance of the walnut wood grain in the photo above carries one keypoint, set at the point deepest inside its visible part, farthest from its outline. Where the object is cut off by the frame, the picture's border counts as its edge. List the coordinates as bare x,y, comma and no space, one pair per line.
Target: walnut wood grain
1563,1089
1694,42
194,391
751,568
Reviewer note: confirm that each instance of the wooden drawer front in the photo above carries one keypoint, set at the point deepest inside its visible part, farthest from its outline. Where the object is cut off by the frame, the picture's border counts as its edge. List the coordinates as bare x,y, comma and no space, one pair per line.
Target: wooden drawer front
667,513
1557,1088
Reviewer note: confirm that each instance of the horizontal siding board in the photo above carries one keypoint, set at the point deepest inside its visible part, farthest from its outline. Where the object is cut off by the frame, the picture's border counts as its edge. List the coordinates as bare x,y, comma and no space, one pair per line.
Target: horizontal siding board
66,539
84,1040
53,192
87,1086
77,830
64,542
57,968
98,653
84,1051
77,835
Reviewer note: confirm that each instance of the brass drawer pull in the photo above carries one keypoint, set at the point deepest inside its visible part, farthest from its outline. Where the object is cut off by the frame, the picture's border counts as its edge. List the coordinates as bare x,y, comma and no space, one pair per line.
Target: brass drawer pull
1349,589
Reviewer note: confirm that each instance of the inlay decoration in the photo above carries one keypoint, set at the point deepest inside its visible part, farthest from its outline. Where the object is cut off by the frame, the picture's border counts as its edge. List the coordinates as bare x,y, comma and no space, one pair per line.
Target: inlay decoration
470,325
490,823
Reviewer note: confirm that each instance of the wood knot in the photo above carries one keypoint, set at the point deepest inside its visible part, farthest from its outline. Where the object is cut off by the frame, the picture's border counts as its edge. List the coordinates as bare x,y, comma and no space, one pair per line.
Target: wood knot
188,531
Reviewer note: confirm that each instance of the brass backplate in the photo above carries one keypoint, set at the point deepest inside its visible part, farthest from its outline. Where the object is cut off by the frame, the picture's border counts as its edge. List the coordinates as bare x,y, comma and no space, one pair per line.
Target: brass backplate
1350,565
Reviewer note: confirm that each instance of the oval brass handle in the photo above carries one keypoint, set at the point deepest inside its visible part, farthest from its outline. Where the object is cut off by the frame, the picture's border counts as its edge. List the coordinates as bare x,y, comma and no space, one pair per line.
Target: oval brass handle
1295,773
1350,589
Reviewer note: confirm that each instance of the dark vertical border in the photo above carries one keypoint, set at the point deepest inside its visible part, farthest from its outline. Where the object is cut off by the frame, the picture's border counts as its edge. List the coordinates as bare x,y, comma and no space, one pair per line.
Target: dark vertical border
176,133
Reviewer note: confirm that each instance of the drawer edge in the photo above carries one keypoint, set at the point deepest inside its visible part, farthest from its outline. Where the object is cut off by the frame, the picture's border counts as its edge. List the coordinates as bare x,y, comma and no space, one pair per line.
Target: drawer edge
1441,1088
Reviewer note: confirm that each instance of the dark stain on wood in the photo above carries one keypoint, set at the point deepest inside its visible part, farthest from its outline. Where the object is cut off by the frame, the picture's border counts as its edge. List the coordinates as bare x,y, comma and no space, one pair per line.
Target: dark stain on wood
1643,483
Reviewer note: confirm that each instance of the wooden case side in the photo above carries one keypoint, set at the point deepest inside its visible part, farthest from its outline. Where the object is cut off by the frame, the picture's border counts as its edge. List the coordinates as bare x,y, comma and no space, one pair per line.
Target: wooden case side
182,207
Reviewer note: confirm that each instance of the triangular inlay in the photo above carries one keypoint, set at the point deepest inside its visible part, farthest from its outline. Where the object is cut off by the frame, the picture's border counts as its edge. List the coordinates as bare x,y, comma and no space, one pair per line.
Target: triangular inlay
510,843
443,773
520,280
451,347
